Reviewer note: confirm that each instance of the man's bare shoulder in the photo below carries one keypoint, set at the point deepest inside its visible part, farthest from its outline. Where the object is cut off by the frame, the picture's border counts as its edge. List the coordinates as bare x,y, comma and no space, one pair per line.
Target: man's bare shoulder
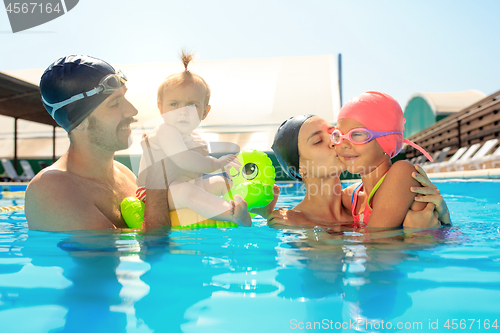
45,193
124,170
49,179
57,200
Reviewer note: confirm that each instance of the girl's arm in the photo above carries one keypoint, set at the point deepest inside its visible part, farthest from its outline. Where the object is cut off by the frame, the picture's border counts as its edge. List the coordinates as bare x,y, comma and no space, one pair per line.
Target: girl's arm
347,195
394,198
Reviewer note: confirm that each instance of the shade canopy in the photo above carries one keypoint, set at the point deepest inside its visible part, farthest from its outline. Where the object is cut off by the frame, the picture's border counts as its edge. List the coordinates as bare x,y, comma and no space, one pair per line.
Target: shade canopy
425,109
21,99
250,98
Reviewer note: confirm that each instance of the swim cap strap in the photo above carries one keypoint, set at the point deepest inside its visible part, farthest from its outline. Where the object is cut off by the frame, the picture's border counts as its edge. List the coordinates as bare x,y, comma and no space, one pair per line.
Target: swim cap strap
422,150
57,106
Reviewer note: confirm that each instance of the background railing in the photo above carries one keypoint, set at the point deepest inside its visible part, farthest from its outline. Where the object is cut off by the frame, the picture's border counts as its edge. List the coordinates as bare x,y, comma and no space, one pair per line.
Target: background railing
476,123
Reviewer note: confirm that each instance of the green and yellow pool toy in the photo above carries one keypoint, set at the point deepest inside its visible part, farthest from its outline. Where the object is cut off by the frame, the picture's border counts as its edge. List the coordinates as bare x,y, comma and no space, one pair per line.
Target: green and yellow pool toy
253,181
133,212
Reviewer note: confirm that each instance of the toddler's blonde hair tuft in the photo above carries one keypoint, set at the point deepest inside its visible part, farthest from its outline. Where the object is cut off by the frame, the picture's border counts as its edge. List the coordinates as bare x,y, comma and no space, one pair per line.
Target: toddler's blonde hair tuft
183,77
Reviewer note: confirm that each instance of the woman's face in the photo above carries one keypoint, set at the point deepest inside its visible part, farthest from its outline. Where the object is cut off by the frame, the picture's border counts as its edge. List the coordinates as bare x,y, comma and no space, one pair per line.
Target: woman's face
358,158
317,153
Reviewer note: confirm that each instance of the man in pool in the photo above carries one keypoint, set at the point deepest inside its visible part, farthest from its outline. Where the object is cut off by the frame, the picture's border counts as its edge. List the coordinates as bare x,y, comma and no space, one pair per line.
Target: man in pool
84,188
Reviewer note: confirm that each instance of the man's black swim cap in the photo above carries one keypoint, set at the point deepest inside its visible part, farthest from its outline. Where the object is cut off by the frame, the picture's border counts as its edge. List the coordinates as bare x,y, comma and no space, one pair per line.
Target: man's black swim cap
286,144
67,77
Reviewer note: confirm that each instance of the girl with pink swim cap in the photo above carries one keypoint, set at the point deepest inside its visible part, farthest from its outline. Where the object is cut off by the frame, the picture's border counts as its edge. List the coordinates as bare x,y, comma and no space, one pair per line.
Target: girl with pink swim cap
304,149
369,133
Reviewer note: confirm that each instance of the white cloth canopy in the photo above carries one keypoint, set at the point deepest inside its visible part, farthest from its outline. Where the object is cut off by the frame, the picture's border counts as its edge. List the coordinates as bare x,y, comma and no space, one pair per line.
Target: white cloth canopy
250,99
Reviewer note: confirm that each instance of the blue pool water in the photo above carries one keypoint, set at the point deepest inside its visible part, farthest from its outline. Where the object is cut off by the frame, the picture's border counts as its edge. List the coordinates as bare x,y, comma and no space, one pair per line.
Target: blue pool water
257,279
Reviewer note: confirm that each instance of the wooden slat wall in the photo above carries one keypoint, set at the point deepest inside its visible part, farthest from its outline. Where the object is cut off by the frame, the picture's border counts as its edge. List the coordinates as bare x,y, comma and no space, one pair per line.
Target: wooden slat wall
477,123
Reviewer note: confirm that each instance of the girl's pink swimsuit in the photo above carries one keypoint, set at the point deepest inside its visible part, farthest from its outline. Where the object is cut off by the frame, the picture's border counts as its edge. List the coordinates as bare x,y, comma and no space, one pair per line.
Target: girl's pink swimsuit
365,216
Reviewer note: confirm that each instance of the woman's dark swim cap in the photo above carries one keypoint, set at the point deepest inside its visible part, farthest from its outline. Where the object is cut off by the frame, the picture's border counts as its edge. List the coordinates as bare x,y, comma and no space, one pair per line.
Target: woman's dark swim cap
286,144
67,77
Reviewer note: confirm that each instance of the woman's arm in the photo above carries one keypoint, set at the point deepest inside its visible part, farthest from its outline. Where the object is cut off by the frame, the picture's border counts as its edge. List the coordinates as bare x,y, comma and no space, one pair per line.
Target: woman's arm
281,217
287,217
267,211
422,219
431,194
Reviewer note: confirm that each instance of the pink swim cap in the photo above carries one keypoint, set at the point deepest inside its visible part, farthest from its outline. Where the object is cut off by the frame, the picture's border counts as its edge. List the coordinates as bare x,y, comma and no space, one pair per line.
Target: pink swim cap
380,112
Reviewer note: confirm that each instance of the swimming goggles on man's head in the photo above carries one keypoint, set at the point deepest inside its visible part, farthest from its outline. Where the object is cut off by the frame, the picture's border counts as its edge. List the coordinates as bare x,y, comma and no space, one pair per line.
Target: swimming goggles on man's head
359,136
108,85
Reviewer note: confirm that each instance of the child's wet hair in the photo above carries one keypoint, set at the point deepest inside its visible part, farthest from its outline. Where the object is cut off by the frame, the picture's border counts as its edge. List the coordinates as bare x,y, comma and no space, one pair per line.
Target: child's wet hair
183,77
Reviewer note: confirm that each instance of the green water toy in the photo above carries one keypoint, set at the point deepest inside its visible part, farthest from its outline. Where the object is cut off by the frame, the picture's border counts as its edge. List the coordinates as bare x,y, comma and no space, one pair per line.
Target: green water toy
254,180
133,212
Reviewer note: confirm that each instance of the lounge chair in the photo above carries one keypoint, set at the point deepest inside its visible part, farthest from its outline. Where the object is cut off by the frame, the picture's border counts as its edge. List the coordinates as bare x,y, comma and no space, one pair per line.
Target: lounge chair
438,156
443,153
420,159
436,167
475,162
28,172
435,157
42,165
490,161
11,172
465,158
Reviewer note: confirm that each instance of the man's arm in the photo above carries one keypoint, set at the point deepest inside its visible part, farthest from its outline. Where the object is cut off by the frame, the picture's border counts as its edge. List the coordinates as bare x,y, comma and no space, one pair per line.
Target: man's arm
54,203
156,210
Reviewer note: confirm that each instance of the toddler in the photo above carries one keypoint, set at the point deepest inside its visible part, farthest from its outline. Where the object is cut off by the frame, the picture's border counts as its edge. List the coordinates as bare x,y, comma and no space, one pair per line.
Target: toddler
183,103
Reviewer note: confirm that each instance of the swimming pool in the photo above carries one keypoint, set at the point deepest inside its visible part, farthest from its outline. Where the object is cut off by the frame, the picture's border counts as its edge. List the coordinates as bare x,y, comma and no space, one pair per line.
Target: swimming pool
257,279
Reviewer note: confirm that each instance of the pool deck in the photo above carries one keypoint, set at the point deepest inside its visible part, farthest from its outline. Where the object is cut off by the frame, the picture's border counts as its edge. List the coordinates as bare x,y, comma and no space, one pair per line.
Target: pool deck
466,175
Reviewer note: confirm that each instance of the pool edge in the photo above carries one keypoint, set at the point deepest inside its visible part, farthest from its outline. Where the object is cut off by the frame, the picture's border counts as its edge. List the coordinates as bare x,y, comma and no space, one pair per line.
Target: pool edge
486,174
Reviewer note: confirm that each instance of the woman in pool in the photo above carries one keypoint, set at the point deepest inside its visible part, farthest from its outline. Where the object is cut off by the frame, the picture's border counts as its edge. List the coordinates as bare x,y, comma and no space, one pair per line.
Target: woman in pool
305,152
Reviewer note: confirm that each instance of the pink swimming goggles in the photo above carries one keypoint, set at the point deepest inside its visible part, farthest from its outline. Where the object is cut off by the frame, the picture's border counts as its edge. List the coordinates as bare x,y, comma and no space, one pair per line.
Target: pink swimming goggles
359,136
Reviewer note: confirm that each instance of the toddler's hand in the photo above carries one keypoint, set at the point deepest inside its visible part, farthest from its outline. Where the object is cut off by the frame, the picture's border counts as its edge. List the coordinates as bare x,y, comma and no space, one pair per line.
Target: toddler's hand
228,161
